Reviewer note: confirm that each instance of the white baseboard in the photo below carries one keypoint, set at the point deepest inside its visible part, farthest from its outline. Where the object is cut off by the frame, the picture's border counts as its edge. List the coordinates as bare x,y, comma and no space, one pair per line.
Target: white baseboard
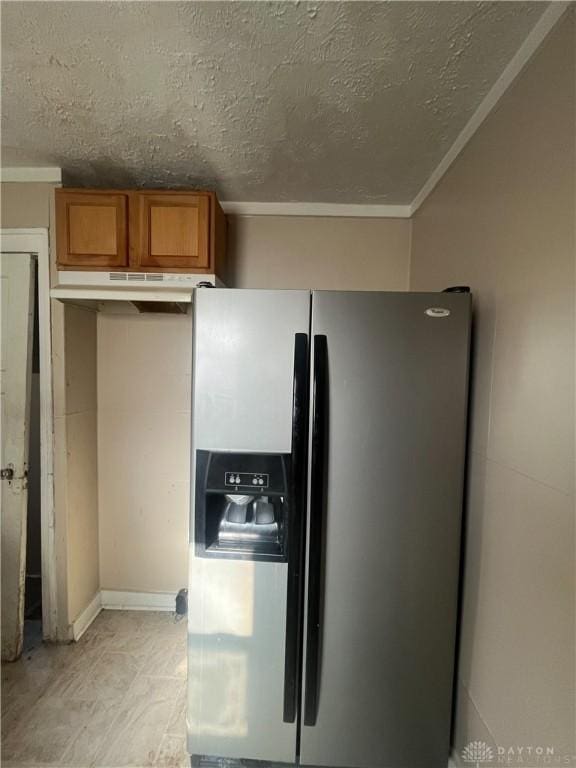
138,601
86,617
121,601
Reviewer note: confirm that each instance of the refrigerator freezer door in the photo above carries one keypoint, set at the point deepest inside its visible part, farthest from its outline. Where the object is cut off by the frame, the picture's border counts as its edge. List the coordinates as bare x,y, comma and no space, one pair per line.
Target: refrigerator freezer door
242,402
386,546
243,365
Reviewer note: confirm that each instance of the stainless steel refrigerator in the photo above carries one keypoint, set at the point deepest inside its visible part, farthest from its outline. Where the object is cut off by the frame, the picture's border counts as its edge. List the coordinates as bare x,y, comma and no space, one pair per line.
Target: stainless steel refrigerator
328,442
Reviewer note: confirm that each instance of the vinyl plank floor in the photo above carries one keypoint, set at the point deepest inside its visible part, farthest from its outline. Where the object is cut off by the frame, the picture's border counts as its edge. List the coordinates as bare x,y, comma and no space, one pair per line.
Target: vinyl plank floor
91,740
115,698
50,726
140,726
177,722
173,753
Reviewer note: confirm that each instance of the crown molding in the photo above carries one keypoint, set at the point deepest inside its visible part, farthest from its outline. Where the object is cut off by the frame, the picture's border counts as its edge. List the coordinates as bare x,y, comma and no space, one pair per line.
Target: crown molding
52,175
317,209
533,41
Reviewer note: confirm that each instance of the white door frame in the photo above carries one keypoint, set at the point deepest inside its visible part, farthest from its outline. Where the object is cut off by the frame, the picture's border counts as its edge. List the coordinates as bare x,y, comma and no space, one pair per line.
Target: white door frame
35,241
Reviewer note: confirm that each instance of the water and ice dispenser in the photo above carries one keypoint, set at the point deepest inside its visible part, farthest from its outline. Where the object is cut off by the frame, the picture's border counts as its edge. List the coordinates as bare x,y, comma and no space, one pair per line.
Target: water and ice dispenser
241,505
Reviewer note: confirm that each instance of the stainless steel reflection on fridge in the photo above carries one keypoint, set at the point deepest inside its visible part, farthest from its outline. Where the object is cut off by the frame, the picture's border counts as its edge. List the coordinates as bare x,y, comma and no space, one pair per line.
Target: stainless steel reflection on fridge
327,469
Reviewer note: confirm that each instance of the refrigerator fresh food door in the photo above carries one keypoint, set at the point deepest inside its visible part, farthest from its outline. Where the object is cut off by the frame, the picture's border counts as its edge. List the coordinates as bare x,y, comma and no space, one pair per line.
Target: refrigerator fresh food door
244,361
389,401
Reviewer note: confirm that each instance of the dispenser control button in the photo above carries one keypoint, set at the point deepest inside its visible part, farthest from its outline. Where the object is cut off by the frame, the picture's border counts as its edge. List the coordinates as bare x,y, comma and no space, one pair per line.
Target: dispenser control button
246,478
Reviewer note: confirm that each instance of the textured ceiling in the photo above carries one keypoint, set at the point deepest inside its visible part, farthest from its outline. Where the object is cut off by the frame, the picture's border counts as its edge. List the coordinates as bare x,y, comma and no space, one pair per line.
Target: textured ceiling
348,102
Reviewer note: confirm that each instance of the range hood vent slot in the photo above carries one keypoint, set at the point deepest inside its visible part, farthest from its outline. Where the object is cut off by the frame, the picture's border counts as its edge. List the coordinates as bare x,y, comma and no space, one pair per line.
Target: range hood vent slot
137,277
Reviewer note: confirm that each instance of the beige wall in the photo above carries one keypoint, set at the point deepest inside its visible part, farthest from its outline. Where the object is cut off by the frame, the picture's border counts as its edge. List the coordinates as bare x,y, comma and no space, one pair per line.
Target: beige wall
318,252
30,204
144,366
81,459
144,379
26,204
139,479
502,221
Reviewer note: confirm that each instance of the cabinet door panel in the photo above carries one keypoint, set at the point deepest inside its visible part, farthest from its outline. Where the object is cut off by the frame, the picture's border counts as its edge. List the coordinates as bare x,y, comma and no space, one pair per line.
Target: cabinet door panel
173,231
91,229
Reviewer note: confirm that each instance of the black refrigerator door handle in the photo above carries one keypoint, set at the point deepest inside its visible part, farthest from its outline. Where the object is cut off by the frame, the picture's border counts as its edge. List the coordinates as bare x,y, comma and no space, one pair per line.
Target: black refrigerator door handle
317,516
294,597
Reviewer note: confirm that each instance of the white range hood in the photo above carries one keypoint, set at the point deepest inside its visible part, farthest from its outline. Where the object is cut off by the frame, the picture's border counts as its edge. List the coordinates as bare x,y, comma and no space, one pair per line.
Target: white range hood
130,286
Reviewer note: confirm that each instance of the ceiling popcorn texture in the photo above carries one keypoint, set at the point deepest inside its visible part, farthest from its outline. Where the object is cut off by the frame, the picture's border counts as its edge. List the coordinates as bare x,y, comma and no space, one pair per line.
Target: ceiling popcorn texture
341,102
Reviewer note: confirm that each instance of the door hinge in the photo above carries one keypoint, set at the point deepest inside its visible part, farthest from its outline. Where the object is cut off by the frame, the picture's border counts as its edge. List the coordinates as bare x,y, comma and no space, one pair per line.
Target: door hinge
7,473
16,482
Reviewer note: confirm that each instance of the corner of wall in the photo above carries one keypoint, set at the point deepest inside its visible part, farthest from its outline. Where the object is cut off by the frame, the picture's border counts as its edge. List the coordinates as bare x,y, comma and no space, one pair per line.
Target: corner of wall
79,479
409,265
60,471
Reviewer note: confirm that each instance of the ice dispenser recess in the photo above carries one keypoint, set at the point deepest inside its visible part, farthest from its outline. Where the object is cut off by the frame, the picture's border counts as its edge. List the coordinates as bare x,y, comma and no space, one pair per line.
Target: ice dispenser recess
242,505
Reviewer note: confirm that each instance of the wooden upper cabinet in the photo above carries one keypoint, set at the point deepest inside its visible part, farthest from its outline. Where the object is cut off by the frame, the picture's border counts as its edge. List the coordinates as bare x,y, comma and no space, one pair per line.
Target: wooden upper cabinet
91,229
171,230
140,230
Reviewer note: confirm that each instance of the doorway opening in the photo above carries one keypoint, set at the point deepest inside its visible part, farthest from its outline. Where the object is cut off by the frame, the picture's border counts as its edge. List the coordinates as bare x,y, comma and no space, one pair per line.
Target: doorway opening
33,581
